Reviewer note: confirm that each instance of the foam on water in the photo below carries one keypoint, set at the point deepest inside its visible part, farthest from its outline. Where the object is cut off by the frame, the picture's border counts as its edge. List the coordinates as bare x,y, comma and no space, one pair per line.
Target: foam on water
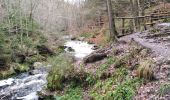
81,49
6,82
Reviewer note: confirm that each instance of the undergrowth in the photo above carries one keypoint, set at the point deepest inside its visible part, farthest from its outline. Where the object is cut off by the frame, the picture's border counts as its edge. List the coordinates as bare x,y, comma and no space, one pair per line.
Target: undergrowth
61,68
72,94
18,44
164,89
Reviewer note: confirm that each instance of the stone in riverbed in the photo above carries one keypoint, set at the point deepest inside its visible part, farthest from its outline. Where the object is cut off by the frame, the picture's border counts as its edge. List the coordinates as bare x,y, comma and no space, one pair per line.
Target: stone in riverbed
70,49
62,47
95,47
34,72
73,38
37,65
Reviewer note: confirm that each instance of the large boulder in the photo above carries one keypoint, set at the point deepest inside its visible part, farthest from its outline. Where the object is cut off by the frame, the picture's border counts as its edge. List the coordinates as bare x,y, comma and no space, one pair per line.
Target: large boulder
45,50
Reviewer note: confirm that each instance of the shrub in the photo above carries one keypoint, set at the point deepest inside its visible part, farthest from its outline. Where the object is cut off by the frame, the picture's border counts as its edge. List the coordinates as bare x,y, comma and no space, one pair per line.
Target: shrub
145,70
62,68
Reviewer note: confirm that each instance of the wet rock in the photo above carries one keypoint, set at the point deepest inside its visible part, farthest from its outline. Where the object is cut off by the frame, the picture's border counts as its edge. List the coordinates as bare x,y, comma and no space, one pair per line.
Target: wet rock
45,96
90,42
73,38
44,50
95,47
70,49
37,65
34,72
62,47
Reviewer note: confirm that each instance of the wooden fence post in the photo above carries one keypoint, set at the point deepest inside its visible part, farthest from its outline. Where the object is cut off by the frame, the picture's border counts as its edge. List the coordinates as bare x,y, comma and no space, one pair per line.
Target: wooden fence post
151,20
134,24
123,26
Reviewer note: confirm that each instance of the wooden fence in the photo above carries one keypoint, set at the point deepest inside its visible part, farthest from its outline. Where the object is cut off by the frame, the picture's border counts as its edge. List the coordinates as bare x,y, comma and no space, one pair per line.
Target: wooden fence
142,21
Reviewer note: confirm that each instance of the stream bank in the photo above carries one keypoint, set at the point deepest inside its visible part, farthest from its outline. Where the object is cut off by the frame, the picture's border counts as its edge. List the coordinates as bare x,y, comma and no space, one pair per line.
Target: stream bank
26,85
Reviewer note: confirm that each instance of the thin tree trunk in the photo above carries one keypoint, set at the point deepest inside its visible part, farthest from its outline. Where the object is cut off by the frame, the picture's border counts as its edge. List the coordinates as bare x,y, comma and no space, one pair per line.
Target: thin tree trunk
133,15
136,13
112,26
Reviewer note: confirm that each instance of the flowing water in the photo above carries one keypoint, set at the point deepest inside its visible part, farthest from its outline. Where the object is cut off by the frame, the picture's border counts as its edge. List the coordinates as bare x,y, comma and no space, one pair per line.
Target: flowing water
25,86
81,49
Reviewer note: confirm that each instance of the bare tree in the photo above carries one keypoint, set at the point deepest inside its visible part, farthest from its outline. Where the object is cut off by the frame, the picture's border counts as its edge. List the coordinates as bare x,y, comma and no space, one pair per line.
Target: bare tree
112,26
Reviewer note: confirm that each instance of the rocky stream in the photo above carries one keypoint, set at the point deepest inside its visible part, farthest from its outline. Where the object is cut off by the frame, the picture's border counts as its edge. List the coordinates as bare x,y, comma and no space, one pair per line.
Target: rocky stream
26,85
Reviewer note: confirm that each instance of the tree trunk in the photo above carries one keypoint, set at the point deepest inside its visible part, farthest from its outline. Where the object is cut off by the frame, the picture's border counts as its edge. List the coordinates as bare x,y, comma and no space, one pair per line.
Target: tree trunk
112,27
136,13
133,15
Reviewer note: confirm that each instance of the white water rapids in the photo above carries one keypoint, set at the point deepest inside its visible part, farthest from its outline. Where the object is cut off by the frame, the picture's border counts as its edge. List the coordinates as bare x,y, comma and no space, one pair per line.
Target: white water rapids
81,49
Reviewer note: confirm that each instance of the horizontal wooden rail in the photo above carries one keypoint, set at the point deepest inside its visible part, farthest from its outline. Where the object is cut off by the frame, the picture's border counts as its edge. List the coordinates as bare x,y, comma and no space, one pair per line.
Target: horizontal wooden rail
146,20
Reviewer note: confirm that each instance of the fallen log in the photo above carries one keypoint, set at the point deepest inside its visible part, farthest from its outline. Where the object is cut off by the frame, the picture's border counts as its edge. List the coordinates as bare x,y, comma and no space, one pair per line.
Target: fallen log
94,57
97,56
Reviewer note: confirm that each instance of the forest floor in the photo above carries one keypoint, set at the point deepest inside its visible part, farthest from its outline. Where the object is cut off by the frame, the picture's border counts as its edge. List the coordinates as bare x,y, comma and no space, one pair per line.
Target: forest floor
157,41
136,67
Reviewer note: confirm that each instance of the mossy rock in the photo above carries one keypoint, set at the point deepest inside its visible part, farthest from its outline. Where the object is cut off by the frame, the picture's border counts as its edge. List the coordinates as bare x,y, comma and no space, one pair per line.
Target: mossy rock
45,50
18,68
36,58
7,73
18,58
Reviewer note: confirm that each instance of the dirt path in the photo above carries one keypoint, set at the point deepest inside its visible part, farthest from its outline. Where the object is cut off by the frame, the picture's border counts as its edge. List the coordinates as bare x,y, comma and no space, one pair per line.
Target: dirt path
160,46
160,49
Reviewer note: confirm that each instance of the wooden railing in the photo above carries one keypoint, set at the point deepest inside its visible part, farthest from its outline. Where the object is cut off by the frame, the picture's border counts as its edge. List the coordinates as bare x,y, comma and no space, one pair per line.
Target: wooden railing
145,21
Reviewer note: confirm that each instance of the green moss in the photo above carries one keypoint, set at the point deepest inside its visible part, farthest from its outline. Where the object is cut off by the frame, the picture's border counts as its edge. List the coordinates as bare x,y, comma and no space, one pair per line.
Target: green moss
21,68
